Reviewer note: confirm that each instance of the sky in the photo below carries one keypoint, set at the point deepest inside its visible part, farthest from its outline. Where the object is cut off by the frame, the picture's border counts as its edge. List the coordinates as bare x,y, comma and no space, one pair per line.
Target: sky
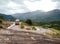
21,6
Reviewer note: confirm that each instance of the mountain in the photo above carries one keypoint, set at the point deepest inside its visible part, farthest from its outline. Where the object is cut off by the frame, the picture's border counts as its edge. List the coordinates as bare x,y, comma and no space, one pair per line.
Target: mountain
39,16
53,15
6,17
30,15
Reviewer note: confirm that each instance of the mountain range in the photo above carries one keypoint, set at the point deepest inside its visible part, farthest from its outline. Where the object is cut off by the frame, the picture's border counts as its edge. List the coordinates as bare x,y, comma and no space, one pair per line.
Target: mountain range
35,16
7,17
39,16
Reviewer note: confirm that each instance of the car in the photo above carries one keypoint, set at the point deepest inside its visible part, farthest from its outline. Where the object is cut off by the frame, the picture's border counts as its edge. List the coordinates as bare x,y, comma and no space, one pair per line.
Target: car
16,23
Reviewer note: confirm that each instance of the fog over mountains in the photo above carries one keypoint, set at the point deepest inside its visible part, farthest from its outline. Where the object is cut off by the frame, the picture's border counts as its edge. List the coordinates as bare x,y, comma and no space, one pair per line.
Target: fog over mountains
39,16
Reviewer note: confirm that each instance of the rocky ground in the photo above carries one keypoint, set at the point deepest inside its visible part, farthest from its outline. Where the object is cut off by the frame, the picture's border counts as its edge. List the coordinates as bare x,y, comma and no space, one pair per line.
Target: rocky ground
25,37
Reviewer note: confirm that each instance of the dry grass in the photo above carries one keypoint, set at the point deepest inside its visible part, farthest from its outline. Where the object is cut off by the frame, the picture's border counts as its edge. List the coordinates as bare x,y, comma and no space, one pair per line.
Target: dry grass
54,33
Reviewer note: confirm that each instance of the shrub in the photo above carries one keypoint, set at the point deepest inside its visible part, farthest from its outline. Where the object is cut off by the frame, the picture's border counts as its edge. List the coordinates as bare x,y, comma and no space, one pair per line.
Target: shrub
28,28
21,26
33,28
0,21
28,21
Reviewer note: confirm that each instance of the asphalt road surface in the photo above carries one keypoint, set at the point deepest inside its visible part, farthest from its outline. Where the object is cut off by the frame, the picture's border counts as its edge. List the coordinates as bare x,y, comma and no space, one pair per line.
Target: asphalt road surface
39,30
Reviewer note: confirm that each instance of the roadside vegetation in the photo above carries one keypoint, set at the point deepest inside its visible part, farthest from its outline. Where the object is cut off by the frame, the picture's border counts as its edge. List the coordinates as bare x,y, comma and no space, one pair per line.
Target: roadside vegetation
54,33
4,23
29,22
54,26
22,26
33,28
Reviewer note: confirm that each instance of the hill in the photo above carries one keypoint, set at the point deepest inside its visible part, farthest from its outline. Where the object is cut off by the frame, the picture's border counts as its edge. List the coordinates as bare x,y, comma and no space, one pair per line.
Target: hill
7,17
39,16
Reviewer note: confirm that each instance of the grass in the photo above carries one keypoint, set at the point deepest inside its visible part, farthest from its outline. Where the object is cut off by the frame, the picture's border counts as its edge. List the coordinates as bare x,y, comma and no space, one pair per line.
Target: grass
33,28
54,33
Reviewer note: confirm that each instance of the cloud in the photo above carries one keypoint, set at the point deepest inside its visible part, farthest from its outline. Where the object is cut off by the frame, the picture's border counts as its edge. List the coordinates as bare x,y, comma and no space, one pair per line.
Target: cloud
3,2
11,7
34,0
45,5
56,0
20,6
58,3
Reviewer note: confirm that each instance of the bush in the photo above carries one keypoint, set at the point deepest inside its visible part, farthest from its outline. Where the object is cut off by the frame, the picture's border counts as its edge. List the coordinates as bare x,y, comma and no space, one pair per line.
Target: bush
0,21
21,26
33,28
28,21
28,28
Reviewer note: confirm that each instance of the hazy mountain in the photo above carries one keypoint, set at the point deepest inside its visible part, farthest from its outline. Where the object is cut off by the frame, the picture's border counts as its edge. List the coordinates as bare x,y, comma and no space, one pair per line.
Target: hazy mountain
6,17
53,15
39,16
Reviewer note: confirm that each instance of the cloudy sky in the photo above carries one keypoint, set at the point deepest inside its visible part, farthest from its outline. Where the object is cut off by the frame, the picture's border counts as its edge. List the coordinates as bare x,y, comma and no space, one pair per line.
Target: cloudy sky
21,6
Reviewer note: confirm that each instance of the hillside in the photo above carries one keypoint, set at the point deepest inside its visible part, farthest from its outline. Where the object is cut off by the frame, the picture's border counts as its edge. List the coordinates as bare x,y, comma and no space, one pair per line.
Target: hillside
1,19
5,20
39,16
7,17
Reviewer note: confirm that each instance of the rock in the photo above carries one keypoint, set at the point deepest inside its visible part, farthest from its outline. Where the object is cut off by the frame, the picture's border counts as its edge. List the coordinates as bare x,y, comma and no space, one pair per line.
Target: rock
25,37
1,26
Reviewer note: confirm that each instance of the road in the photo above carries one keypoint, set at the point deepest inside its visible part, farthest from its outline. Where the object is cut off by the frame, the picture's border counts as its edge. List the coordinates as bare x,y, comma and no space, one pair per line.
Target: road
39,30
14,27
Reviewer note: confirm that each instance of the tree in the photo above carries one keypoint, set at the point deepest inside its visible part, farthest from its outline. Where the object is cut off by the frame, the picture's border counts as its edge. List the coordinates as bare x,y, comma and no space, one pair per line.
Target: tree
28,21
0,21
